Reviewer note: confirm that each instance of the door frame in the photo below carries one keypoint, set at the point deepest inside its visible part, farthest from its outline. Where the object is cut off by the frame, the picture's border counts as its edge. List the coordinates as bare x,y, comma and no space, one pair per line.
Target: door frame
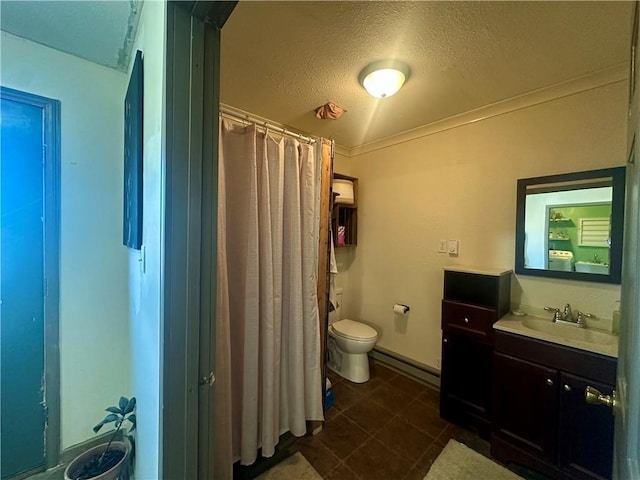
626,459
51,230
192,72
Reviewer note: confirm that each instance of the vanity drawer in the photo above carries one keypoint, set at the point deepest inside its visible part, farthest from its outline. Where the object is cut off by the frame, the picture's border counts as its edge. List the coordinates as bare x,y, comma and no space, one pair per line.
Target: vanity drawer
467,318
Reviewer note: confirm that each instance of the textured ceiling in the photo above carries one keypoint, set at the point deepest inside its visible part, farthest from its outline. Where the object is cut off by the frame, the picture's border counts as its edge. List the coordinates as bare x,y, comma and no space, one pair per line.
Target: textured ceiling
99,31
280,60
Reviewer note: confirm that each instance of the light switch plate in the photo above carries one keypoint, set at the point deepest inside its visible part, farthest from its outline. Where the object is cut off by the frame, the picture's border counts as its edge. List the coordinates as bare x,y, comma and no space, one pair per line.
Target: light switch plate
452,247
442,246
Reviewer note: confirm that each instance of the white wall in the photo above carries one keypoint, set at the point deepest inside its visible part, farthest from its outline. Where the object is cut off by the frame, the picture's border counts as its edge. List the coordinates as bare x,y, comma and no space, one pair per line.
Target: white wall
94,341
459,182
145,277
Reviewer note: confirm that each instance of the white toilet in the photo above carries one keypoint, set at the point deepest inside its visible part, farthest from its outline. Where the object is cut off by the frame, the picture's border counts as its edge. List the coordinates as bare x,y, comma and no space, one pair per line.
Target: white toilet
349,343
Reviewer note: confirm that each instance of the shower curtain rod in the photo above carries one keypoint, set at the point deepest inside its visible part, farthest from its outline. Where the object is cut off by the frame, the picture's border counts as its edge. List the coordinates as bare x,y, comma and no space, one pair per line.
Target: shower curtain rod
247,118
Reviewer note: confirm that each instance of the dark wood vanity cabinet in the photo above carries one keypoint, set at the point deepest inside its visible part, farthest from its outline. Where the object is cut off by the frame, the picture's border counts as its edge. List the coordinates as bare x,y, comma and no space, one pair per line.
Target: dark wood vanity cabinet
473,301
465,386
541,419
525,404
585,441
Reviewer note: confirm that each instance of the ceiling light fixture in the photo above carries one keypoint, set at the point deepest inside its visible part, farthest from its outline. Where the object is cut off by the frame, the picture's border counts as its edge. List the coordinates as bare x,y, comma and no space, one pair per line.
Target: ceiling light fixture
384,78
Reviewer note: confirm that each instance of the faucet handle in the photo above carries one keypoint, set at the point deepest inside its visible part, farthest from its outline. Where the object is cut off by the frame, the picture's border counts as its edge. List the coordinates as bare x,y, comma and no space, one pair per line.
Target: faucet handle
557,315
580,316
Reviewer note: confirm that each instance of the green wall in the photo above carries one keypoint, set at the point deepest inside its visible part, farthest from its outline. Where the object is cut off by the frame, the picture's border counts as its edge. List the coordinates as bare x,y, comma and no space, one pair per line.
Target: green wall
568,227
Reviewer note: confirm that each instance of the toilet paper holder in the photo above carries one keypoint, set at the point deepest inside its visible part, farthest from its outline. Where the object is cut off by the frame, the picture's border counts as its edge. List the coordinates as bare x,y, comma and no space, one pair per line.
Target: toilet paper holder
401,308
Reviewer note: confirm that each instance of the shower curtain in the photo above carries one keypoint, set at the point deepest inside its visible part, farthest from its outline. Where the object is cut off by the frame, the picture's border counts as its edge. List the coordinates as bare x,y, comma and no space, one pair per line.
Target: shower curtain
268,364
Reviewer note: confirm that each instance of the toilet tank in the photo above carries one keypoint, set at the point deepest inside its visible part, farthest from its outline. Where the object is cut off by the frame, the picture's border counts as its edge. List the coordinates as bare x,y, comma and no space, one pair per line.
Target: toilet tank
336,315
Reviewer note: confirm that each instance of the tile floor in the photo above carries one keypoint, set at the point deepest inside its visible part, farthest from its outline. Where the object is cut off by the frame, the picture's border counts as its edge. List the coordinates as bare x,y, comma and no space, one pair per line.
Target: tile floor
387,428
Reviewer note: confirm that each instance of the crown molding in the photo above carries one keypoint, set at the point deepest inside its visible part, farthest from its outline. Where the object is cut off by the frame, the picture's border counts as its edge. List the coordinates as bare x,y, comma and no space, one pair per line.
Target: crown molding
601,78
345,151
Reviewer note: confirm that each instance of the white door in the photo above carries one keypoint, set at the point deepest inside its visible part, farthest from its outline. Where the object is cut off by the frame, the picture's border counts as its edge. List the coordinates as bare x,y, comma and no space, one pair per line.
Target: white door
627,429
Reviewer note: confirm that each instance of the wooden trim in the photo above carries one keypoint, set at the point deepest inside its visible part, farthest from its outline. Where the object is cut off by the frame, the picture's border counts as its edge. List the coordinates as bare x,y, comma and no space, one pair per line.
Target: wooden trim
324,250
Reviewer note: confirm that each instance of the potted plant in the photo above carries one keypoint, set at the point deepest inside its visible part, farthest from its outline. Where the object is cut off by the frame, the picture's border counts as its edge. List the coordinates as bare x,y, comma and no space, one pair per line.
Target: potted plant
111,460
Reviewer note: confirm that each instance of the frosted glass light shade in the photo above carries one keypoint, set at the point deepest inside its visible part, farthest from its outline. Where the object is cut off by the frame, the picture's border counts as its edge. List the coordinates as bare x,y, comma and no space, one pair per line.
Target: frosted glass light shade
383,79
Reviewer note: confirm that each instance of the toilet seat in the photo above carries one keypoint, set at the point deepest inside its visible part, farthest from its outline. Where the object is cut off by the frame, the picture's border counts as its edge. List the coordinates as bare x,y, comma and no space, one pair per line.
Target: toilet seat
352,330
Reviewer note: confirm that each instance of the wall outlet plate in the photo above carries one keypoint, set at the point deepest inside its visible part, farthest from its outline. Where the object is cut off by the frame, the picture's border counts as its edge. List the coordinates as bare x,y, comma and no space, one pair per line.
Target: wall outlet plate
452,247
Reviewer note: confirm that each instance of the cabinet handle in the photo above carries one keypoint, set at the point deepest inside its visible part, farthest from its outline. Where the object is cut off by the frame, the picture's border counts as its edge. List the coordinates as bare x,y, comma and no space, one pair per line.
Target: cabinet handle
445,340
567,388
466,320
549,381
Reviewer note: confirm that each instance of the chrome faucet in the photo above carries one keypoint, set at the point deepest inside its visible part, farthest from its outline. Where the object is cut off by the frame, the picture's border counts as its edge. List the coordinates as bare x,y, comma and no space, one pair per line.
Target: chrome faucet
580,318
567,316
557,315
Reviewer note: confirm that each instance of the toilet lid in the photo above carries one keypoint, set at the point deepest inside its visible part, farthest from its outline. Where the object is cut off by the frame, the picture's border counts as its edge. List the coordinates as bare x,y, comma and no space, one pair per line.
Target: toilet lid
354,330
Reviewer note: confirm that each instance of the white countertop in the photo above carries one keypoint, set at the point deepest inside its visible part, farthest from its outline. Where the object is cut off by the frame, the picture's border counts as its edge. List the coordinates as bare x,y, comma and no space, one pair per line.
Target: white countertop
514,324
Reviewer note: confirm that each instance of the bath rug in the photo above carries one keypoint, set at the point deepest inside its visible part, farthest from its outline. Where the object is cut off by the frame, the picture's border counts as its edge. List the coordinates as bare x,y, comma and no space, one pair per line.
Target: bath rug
296,466
459,462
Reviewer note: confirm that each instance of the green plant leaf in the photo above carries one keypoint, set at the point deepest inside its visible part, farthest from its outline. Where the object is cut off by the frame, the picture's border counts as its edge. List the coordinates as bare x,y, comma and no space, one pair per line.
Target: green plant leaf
108,419
97,428
132,419
111,418
130,406
114,410
124,401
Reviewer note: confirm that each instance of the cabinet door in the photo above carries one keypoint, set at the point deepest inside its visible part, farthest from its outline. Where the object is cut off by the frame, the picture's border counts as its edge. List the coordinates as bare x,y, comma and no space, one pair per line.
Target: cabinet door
586,431
466,377
525,404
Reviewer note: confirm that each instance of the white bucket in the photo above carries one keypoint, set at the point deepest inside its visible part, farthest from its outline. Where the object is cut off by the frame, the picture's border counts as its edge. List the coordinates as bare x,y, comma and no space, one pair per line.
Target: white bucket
345,190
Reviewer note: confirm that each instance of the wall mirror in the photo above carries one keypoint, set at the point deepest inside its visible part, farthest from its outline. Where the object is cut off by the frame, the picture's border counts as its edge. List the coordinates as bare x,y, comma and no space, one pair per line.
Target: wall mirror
570,225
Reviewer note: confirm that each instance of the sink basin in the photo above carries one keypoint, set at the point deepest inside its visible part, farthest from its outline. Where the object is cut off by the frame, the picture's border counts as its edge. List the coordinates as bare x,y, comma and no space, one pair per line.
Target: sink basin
569,332
588,267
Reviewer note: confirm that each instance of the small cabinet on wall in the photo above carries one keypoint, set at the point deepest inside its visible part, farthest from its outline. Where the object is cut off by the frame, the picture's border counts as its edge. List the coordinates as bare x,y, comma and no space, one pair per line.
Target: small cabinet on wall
344,217
541,418
474,299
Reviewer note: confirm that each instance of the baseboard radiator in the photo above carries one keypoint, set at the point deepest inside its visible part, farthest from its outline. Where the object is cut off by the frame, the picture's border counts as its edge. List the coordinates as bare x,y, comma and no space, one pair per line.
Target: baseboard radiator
405,366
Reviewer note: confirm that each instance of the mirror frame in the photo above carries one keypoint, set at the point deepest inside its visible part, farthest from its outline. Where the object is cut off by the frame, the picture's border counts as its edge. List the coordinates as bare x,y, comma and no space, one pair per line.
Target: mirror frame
617,225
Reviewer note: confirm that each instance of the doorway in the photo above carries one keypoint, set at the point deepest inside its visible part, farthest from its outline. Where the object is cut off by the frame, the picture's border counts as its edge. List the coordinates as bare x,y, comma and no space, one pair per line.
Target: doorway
29,273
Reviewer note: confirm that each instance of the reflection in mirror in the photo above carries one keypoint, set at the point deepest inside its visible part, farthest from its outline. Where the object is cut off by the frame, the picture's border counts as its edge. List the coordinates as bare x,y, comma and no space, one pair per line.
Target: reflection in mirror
570,226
